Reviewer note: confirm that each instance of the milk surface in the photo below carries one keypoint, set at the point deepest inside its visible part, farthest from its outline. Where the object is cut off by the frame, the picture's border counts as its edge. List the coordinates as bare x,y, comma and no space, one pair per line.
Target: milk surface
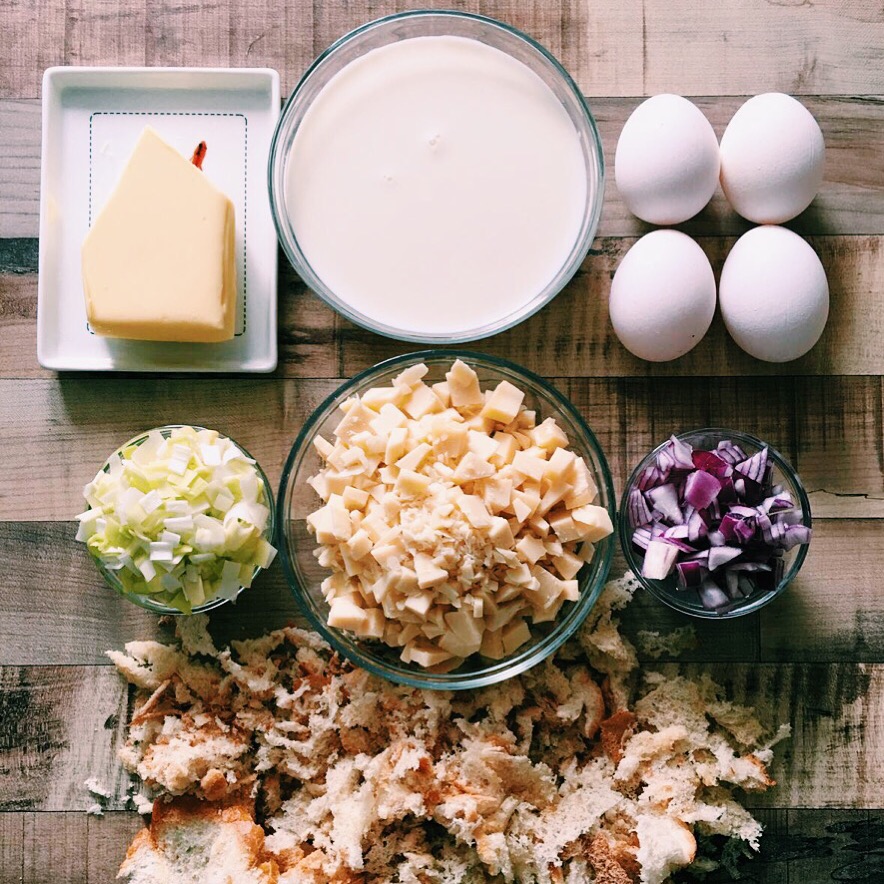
436,185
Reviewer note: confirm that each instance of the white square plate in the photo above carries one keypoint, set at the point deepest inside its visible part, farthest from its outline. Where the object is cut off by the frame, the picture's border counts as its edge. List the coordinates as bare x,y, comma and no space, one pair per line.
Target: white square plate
92,118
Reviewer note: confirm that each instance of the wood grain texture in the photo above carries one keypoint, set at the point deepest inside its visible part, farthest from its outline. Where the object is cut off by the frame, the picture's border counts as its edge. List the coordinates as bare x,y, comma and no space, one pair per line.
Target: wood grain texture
830,429
59,725
827,47
849,201
12,830
52,854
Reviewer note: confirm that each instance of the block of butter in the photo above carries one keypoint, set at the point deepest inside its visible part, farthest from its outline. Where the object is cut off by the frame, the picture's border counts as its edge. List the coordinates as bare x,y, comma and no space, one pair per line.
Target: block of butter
158,263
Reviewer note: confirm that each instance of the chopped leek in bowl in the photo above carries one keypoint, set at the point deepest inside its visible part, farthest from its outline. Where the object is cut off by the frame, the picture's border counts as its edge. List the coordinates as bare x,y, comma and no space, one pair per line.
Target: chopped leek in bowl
180,519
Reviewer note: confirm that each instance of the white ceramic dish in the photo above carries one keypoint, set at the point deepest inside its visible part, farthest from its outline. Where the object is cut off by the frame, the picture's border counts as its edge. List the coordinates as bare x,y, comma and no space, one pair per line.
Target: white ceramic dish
92,118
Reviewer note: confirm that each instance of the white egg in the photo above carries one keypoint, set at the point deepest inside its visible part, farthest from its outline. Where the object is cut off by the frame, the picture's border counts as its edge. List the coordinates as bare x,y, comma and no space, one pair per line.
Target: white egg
772,156
666,164
662,296
774,295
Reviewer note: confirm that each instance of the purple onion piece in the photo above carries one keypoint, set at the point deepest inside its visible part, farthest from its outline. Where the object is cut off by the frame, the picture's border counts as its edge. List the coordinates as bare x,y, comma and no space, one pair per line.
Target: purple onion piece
678,544
638,509
659,560
748,567
641,537
793,535
754,467
728,494
682,453
729,452
732,585
690,574
664,499
701,489
777,503
650,477
716,538
710,462
696,527
678,532
712,596
721,555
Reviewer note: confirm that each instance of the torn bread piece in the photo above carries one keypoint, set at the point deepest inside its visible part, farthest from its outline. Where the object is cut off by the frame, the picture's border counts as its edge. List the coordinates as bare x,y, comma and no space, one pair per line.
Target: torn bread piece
191,840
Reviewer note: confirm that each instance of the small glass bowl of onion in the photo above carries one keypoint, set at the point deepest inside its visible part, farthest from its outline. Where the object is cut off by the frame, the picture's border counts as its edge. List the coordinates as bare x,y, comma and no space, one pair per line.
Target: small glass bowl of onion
715,523
180,504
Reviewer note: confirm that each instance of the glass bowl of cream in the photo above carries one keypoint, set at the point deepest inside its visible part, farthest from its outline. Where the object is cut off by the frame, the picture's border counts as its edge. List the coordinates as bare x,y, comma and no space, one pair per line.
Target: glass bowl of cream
436,177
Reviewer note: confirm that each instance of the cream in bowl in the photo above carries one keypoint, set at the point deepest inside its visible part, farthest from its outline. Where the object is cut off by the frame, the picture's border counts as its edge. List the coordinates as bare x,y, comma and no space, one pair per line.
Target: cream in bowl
436,177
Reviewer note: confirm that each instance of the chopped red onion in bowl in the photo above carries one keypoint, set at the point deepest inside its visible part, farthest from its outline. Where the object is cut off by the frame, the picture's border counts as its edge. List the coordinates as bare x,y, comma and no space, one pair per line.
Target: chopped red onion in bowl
710,520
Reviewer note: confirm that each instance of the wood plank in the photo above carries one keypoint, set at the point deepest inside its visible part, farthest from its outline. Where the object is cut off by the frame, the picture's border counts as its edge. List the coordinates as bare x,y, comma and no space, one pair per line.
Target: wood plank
34,35
55,853
107,838
59,726
19,168
68,427
753,46
834,609
849,201
93,416
573,336
832,760
12,830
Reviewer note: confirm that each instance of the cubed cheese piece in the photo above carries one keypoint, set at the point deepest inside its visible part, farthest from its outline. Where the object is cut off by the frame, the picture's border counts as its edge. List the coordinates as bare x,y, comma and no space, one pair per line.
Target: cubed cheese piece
377,397
596,522
421,401
472,467
357,420
359,545
583,488
428,574
474,509
464,635
396,445
507,446
411,484
529,465
414,458
463,385
323,447
481,444
419,604
565,527
504,403
425,654
500,533
443,393
159,261
388,419
492,645
549,435
559,467
344,613
568,565
354,498
514,635
341,526
548,590
412,375
530,548
374,624
497,493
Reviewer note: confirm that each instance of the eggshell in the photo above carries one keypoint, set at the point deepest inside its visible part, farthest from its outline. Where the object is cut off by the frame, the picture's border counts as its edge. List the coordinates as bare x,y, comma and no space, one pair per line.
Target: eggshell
774,295
666,165
662,296
772,157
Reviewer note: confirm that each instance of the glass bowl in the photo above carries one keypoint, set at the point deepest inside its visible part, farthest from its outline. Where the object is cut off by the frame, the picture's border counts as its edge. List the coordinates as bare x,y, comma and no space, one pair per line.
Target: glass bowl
147,601
687,601
297,499
421,23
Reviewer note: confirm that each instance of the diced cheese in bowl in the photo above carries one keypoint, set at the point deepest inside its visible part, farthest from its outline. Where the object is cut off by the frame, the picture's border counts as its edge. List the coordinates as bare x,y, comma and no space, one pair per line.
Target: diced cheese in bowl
451,521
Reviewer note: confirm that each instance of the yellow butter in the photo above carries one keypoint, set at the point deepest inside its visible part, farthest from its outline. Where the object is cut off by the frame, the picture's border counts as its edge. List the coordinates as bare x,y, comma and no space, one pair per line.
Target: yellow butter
158,263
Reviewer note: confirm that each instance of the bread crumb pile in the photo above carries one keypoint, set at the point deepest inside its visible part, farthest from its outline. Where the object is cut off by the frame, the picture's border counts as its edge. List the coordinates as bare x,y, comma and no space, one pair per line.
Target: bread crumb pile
556,776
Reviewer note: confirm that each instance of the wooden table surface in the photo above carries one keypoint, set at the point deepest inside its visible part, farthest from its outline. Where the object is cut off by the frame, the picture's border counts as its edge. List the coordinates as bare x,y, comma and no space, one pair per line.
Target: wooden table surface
815,657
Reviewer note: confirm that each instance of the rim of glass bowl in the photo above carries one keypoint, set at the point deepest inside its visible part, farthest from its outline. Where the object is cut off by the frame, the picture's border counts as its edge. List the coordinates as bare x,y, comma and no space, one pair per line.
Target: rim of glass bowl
146,601
566,624
670,597
286,129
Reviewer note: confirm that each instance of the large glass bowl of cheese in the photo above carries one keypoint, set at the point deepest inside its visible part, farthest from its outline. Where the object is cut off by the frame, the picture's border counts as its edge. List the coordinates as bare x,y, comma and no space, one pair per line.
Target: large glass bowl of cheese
445,519
436,177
